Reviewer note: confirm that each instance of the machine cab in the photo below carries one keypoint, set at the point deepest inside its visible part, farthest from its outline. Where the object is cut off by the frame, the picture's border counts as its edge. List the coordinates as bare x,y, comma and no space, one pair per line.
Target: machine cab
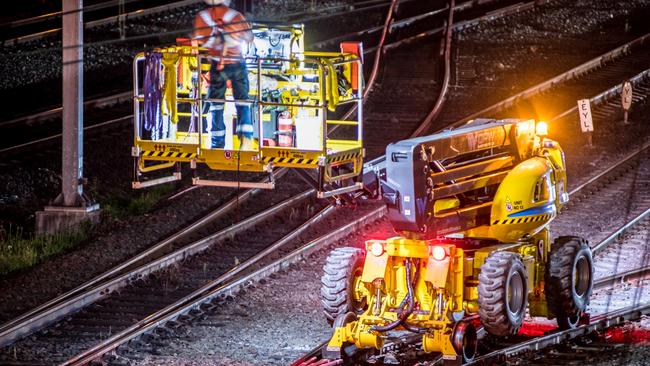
296,100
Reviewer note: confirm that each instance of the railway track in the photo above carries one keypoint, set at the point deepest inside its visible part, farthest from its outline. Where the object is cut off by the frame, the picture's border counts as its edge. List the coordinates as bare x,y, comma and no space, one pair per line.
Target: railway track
634,312
589,186
97,289
97,15
66,304
278,264
41,27
132,298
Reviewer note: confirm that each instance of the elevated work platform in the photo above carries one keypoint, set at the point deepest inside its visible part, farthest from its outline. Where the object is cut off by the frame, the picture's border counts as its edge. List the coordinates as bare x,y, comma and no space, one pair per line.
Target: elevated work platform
295,100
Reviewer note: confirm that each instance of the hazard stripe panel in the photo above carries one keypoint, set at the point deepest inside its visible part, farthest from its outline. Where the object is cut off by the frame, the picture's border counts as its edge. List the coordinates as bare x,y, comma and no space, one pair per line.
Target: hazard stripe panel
168,154
344,157
269,159
521,220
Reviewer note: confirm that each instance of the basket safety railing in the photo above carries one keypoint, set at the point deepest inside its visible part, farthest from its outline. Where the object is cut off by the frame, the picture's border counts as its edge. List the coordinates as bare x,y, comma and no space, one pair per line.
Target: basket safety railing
323,71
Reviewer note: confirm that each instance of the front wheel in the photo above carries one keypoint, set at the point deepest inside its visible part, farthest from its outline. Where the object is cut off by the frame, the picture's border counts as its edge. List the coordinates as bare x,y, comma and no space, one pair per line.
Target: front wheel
341,288
502,293
569,280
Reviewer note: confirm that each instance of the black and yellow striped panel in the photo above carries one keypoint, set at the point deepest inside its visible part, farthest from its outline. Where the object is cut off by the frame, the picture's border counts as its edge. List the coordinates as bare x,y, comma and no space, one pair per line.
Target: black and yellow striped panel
168,154
344,157
279,160
522,220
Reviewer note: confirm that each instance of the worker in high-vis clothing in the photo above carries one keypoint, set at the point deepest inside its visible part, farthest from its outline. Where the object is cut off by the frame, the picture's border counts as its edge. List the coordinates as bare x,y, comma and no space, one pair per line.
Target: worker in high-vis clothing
224,32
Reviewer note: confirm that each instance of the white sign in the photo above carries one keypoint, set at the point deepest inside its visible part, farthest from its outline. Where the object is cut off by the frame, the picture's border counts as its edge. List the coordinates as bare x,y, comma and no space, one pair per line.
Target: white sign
584,109
626,95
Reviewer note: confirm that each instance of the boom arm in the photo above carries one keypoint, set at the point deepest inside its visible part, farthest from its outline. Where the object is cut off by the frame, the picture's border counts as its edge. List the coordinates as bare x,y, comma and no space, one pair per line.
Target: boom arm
444,183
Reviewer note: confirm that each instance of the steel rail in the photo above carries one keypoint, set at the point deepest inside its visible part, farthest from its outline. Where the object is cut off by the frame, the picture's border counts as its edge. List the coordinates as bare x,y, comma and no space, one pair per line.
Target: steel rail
509,10
58,136
161,9
394,25
220,288
58,14
636,274
149,254
616,234
112,280
596,324
608,94
620,162
130,15
54,112
562,78
463,6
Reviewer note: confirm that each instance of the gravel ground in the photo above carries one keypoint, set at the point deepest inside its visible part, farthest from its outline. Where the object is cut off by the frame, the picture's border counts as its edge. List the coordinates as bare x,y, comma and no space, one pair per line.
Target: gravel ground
119,240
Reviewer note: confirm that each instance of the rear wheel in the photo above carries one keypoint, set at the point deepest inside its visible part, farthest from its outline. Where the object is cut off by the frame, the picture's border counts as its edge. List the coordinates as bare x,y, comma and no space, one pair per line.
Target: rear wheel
341,288
569,280
502,293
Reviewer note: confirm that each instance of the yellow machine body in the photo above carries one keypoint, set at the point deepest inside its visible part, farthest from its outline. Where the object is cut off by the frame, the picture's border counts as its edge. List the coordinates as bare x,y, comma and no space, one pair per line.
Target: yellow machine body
446,269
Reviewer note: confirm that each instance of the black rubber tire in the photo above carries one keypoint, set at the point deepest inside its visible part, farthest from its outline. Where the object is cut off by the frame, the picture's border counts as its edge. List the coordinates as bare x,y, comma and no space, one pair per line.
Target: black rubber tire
502,293
337,282
569,279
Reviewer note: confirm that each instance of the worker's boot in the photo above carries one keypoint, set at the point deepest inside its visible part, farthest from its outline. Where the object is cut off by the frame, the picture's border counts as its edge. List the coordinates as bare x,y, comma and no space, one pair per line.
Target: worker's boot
218,142
246,144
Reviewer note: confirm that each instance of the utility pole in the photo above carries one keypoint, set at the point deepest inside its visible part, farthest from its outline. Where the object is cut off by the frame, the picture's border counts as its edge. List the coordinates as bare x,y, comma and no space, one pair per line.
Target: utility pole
71,207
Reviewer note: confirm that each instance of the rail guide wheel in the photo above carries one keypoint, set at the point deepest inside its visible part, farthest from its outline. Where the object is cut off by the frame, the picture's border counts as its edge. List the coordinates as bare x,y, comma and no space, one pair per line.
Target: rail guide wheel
502,293
569,280
465,340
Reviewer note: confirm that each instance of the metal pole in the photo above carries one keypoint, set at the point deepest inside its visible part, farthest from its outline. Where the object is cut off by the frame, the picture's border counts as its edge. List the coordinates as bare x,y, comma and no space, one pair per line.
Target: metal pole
121,19
72,156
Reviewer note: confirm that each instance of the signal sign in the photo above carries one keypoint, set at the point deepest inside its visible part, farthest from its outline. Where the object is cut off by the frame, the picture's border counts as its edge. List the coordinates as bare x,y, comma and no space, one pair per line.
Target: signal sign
626,95
584,109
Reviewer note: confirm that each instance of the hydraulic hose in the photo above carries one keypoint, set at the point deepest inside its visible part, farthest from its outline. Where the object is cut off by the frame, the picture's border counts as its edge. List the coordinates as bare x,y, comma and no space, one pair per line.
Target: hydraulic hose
401,317
380,47
375,66
413,329
437,108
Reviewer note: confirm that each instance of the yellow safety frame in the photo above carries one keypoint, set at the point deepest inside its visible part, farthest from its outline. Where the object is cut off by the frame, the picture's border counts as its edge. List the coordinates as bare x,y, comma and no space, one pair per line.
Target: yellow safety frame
192,147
